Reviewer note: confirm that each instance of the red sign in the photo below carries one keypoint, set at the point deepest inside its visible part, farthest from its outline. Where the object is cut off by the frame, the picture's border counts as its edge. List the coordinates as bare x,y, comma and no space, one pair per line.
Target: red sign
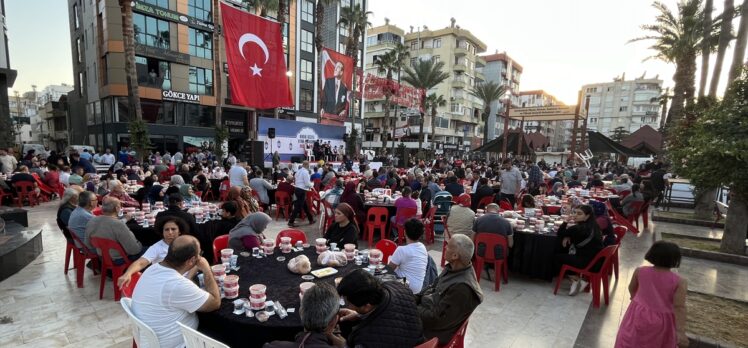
257,66
409,97
335,84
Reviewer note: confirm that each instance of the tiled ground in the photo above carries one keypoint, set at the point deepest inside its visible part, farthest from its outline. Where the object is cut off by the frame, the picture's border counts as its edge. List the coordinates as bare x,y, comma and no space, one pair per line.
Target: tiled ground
49,311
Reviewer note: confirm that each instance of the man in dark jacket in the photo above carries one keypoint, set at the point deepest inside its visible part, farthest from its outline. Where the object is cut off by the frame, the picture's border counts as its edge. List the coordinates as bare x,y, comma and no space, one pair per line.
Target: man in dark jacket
483,191
382,314
176,204
453,187
445,305
319,315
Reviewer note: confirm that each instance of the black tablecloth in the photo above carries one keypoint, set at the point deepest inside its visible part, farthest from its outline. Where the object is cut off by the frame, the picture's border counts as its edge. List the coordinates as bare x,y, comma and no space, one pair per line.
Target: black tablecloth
146,235
533,255
282,285
204,234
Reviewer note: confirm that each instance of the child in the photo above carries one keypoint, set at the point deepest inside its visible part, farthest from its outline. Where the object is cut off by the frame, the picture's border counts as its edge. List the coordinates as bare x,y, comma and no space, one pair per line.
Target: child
656,316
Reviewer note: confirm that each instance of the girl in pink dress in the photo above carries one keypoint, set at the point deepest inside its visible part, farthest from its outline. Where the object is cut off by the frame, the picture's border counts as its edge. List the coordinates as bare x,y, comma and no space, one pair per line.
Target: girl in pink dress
656,316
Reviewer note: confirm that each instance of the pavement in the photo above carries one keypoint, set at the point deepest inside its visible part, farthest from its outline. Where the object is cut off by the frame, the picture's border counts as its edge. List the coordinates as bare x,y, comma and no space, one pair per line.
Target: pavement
48,310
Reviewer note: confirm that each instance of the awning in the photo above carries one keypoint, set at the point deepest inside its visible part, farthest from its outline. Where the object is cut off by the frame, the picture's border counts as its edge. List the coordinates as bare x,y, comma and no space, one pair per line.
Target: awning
496,145
600,143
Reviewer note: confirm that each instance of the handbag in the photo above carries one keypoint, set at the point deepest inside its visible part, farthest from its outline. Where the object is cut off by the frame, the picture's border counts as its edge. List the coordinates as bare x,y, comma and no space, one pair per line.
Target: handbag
573,248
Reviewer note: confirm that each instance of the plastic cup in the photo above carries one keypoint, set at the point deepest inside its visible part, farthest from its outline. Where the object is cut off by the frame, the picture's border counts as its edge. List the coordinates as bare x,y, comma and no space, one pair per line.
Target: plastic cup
257,291
218,270
231,281
320,241
303,287
231,292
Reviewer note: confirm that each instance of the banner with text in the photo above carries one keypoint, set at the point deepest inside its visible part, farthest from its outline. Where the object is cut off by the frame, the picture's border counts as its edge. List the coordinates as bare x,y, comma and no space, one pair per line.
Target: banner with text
294,138
407,96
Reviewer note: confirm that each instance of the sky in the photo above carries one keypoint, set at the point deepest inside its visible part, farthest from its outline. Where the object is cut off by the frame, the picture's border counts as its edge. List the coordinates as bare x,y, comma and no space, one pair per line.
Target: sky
561,44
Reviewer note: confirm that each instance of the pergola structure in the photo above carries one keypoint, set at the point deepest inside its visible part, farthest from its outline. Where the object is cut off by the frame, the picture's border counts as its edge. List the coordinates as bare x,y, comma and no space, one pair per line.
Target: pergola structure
550,113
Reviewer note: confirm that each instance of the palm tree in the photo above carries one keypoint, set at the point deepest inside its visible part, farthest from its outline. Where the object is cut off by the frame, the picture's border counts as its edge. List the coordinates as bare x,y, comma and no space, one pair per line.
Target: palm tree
488,92
425,74
663,99
266,5
705,49
128,37
319,21
740,45
678,39
355,20
725,36
387,64
432,103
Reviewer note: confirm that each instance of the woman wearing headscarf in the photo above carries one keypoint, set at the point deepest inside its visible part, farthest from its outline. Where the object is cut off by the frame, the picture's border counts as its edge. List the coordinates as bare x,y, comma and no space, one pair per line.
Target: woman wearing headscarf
242,207
247,196
188,195
248,233
461,217
343,230
142,194
354,200
603,221
175,182
88,182
558,189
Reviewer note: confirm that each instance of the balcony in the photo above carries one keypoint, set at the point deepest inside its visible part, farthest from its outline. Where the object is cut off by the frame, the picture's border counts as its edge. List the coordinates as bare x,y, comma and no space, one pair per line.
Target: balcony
461,51
479,62
479,76
459,83
460,67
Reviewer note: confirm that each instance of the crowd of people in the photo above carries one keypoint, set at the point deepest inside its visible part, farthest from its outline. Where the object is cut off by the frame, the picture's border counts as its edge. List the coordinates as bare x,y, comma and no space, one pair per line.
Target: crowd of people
376,313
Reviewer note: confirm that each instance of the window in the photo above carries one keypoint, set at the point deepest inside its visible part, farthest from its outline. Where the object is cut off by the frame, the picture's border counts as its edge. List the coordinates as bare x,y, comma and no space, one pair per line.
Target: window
158,112
437,43
414,45
200,9
78,49
624,87
198,115
76,15
153,73
343,30
160,3
623,108
201,81
201,43
307,40
307,11
436,59
413,62
307,72
151,31
305,100
81,81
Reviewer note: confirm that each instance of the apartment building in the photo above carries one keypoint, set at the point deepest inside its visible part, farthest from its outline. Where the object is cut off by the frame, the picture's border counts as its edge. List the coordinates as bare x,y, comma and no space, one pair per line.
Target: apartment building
458,124
551,129
181,69
7,78
504,71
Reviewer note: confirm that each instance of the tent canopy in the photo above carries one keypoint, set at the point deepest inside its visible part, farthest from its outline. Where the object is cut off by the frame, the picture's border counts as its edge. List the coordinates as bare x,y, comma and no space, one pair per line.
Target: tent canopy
496,144
601,143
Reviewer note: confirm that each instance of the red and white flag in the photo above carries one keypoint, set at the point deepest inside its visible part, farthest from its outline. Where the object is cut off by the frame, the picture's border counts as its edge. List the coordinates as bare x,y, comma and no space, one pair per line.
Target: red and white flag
257,65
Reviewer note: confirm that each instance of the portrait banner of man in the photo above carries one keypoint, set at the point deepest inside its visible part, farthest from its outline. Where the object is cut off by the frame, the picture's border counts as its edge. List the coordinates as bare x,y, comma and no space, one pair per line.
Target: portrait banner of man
336,79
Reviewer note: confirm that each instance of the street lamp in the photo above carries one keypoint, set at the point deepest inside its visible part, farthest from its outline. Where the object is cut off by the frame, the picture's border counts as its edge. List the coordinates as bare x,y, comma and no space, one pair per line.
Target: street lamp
507,102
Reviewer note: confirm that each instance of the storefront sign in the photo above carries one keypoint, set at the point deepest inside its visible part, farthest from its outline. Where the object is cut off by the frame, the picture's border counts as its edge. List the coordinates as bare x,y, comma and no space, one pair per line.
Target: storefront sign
450,146
235,126
162,54
169,15
180,96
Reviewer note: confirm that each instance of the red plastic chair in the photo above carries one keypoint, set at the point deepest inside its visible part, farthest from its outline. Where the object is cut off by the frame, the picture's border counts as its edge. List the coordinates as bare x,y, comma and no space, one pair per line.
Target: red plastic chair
606,255
645,214
314,202
500,264
69,248
25,191
105,245
635,212
428,226
96,211
221,242
620,232
403,214
376,218
80,256
4,194
505,205
447,236
208,195
458,340
328,217
624,193
432,343
484,202
282,202
45,190
296,235
130,288
619,219
223,190
387,247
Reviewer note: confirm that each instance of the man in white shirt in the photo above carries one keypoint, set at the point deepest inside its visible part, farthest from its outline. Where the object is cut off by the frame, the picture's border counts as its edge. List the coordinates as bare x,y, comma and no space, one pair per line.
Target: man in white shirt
107,158
8,162
163,296
411,259
303,184
237,174
511,182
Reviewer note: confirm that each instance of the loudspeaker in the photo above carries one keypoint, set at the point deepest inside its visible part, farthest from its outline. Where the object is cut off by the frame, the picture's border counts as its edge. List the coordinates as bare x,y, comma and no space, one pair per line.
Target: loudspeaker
271,133
297,159
252,153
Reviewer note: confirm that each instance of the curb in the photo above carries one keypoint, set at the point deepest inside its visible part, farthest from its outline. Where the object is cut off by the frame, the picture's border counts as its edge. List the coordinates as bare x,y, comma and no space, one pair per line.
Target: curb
695,341
739,260
687,221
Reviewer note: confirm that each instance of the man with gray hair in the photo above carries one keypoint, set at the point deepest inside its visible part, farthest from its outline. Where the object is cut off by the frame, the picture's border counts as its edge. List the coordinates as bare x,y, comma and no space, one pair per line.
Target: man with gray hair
80,217
319,316
451,299
237,174
109,226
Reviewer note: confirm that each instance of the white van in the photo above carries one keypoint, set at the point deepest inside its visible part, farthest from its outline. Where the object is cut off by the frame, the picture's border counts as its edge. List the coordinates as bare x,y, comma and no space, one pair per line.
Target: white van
38,150
79,149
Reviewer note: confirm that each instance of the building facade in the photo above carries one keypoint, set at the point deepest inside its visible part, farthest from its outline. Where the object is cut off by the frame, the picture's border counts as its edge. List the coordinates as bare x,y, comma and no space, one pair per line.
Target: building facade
551,129
181,71
7,78
504,71
628,104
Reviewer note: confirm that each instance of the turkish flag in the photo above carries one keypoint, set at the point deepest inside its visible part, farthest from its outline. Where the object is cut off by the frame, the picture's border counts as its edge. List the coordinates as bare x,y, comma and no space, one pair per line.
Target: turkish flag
257,65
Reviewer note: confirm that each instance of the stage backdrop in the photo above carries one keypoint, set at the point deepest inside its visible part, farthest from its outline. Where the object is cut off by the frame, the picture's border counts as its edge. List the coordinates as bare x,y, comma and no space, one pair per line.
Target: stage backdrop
291,137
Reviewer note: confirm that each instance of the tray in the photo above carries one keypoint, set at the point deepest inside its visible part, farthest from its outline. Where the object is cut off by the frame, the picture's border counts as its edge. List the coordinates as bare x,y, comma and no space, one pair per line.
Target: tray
324,272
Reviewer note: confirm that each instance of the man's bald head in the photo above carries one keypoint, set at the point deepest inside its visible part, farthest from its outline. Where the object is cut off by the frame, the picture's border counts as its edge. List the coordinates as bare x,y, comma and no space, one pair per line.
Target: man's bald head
181,250
492,208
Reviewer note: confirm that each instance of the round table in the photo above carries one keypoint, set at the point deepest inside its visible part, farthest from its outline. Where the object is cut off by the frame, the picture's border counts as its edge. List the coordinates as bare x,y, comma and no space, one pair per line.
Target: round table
282,285
533,254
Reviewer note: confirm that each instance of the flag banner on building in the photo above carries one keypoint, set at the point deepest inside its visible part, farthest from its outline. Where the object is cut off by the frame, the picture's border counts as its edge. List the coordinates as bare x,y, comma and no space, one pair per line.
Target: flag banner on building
335,84
407,96
401,132
257,65
295,138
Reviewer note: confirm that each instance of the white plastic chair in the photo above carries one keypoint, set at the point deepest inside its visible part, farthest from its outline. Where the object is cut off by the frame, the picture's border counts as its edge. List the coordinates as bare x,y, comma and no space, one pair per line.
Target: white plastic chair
142,334
195,339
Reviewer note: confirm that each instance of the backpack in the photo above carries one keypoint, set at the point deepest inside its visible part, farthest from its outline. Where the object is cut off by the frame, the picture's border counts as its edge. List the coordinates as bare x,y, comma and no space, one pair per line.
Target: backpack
431,273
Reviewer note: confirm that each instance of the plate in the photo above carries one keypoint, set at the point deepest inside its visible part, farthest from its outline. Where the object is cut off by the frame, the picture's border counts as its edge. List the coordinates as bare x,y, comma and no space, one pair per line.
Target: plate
324,272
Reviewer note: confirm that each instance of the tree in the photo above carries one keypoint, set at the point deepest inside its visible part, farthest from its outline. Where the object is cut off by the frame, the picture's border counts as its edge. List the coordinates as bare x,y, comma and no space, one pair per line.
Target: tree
265,6
740,44
705,49
725,36
387,64
140,141
426,74
355,20
678,39
619,133
319,21
488,92
711,151
131,73
222,135
663,99
351,143
432,103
